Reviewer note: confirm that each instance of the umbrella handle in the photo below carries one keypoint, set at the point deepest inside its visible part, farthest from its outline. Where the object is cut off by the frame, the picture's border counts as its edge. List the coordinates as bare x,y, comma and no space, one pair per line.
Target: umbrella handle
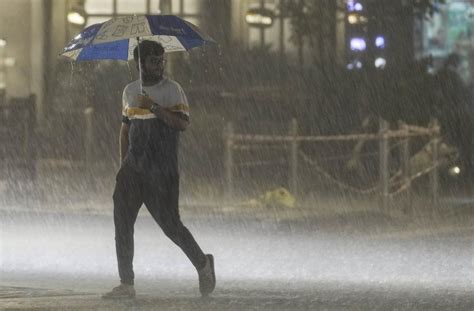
139,65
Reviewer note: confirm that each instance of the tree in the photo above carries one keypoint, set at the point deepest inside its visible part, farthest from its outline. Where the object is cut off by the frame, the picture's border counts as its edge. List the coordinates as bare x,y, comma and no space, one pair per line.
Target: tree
313,22
395,18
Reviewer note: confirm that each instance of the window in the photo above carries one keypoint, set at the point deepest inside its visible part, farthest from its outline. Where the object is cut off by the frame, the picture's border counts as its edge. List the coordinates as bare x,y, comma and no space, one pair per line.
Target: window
127,7
271,35
185,7
99,6
102,10
450,30
96,20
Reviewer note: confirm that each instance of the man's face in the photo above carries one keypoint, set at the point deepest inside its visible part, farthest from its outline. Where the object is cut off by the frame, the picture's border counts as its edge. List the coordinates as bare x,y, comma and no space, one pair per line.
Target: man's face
154,66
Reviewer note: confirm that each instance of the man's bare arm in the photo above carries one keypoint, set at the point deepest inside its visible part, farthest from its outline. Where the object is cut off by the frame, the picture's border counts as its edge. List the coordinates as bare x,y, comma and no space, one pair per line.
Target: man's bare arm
172,119
123,141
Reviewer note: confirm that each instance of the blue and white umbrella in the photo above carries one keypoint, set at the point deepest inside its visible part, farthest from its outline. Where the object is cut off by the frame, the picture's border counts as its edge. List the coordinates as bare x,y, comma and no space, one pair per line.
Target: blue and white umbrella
116,38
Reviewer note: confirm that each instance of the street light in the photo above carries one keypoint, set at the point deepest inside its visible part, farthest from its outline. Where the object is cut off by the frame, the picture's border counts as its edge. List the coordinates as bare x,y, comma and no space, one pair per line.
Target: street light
380,62
76,17
259,17
380,42
356,19
353,5
358,44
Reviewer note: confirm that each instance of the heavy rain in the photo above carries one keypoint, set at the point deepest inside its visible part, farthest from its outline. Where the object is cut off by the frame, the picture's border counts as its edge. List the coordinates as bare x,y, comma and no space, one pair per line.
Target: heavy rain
324,159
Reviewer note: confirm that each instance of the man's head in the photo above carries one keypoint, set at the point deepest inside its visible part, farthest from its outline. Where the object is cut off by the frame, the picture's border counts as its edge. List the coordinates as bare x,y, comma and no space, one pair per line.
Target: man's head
152,59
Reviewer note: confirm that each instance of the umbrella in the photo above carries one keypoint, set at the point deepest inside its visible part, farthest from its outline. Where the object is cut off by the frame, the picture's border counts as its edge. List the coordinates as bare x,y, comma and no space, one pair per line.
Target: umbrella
116,38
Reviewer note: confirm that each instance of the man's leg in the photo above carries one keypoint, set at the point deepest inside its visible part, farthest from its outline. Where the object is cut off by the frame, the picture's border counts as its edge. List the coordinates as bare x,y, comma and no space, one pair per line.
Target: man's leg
161,199
127,201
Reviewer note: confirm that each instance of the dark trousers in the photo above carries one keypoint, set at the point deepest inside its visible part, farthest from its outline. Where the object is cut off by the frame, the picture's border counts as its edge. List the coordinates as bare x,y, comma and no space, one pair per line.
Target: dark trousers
160,195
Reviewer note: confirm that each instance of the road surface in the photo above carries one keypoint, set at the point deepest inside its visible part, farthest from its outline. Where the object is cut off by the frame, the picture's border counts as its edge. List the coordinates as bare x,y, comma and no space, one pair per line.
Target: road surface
270,259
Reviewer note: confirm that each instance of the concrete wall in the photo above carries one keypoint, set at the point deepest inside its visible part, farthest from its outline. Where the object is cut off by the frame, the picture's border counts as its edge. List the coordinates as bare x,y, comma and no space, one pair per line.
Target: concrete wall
24,24
240,29
15,28
37,57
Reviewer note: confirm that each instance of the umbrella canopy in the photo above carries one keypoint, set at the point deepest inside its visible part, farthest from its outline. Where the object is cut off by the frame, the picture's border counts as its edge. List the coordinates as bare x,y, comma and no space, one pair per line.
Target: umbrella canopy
116,38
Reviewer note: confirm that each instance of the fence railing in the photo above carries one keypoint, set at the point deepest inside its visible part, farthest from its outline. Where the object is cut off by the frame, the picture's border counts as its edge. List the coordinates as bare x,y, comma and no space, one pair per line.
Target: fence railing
401,180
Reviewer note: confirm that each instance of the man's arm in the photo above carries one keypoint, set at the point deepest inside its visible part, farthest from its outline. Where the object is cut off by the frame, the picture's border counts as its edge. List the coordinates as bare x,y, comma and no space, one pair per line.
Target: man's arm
123,141
172,119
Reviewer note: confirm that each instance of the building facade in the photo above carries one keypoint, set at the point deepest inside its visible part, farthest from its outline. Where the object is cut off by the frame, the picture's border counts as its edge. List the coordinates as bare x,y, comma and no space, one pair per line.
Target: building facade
449,30
34,32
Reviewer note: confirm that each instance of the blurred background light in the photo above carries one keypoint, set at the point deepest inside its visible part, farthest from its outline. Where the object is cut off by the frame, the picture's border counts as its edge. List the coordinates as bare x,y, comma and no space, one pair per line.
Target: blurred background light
354,6
356,64
380,42
358,44
352,19
76,17
259,17
380,62
356,19
455,170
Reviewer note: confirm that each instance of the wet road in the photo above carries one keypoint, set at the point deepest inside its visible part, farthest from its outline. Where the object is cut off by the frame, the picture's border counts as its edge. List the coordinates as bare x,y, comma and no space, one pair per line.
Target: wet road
264,261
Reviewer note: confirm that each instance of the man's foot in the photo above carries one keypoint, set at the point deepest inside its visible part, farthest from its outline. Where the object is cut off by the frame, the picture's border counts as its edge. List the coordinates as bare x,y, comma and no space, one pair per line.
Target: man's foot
120,292
207,277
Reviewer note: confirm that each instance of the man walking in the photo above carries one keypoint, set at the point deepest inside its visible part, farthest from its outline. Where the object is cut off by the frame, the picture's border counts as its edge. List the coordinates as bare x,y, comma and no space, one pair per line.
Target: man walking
153,115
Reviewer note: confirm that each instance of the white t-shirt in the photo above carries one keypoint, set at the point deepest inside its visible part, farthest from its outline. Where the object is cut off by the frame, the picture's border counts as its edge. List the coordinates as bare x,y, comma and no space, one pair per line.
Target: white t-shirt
167,93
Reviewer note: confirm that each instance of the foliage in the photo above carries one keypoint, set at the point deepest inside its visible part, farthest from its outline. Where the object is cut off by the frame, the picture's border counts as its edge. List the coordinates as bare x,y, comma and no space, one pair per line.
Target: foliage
383,9
308,17
313,22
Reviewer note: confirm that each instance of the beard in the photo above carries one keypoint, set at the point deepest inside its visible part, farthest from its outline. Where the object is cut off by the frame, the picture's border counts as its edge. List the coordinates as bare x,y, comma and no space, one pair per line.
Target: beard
152,76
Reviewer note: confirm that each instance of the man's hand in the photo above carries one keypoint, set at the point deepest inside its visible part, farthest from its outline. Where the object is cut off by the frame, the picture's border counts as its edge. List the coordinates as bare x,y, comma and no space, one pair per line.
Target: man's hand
170,118
144,102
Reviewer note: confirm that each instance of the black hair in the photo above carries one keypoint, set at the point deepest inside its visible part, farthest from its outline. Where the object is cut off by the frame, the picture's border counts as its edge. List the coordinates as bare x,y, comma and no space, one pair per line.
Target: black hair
148,47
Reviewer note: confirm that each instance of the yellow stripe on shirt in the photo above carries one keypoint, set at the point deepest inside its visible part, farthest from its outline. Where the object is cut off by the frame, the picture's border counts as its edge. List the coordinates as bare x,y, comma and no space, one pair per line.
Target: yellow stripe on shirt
181,107
131,112
140,113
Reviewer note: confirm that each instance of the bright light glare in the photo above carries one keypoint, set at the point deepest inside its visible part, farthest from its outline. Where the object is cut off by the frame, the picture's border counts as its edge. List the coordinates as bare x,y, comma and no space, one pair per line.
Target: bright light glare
352,19
358,44
356,19
380,42
352,6
3,43
380,62
258,19
76,18
354,65
455,170
9,61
